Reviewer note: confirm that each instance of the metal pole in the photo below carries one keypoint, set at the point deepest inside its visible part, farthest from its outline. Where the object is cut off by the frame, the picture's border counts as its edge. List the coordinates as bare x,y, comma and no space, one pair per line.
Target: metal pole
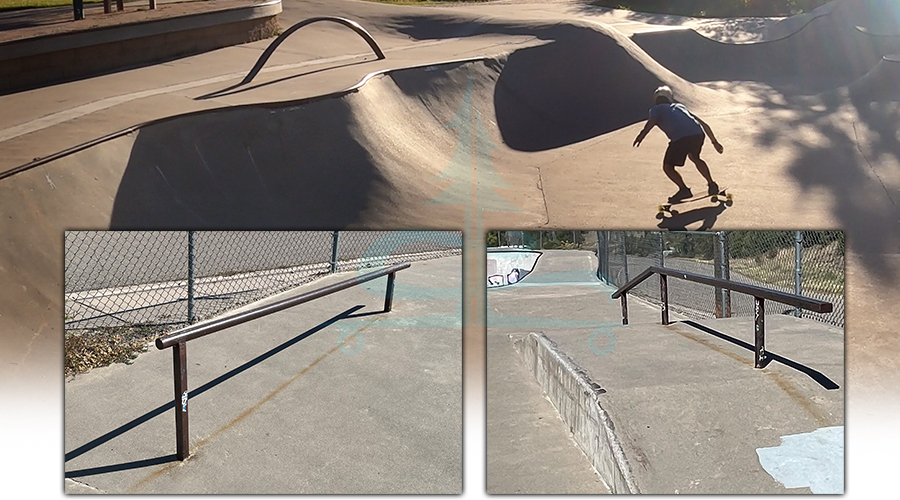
78,6
190,304
798,268
389,293
759,316
335,236
182,438
624,309
726,271
718,272
664,296
625,256
662,249
107,6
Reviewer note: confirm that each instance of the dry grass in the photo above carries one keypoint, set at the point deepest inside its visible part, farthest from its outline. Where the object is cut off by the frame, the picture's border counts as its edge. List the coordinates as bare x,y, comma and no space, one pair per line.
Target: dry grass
88,349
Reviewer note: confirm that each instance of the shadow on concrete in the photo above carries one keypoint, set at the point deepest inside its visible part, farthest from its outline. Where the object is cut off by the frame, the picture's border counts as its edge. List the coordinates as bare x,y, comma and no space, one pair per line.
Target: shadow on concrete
707,217
850,162
819,377
252,167
583,85
137,464
192,394
236,88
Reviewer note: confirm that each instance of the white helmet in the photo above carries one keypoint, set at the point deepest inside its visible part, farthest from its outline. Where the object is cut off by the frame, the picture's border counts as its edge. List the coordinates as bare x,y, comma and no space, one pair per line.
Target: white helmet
664,91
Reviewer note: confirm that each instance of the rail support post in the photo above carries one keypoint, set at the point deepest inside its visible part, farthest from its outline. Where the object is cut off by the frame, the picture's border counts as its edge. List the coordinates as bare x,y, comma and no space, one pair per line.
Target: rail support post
389,293
624,309
759,317
664,296
182,438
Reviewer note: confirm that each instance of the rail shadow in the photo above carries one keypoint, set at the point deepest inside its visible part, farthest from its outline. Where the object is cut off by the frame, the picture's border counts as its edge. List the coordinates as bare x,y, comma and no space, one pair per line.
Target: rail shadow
819,377
133,424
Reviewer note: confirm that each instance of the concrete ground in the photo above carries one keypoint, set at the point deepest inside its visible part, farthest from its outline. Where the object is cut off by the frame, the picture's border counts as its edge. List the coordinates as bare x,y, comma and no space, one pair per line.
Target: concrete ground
559,91
560,152
687,405
326,397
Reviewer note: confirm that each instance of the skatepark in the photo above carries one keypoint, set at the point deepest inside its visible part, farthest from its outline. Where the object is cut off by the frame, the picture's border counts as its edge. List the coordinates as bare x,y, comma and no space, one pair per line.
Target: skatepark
509,114
335,396
653,409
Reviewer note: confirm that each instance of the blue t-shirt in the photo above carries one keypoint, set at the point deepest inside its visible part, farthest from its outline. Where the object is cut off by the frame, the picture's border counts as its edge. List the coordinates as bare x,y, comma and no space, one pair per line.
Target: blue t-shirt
675,120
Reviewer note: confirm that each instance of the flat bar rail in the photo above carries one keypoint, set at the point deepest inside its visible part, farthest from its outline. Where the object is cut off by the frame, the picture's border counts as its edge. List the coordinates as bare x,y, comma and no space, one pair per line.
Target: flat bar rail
178,339
760,295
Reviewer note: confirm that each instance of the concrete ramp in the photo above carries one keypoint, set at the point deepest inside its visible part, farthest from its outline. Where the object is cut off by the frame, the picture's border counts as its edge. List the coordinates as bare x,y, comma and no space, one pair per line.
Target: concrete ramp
680,408
882,83
820,55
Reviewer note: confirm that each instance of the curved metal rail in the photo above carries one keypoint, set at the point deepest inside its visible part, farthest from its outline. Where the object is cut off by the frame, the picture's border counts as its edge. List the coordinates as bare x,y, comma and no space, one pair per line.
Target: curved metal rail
177,340
281,38
760,295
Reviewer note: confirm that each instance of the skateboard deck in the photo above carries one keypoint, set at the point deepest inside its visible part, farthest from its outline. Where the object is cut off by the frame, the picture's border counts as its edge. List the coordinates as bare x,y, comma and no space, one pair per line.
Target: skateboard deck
721,197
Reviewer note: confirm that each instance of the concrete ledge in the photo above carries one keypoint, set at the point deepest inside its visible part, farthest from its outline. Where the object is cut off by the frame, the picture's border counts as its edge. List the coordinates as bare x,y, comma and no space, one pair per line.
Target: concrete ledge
54,58
575,398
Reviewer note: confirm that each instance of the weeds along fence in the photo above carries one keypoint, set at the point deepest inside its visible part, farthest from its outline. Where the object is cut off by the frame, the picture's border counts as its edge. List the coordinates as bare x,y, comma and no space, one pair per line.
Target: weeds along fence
119,278
809,263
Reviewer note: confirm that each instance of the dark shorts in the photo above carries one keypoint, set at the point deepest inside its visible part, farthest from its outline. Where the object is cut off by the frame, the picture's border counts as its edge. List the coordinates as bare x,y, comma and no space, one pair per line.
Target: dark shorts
679,150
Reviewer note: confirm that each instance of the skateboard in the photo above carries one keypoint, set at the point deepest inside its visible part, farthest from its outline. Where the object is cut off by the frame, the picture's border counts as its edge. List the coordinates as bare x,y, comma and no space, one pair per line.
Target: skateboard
720,197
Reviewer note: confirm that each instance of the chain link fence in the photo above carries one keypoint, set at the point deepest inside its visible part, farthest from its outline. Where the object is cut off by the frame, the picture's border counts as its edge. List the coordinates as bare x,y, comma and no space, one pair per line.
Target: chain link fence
809,263
118,278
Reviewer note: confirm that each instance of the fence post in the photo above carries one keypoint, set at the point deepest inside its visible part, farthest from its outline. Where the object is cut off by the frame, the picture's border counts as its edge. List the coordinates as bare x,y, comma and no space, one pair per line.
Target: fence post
719,272
662,249
603,256
335,236
190,304
625,255
726,272
798,268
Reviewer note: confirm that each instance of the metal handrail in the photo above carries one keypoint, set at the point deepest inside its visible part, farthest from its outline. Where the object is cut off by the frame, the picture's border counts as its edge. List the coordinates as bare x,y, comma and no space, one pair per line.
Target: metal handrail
759,294
178,339
275,43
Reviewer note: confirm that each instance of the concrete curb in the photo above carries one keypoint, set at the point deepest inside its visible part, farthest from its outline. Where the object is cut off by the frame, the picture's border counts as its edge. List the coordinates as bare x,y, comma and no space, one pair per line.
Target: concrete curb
576,399
51,58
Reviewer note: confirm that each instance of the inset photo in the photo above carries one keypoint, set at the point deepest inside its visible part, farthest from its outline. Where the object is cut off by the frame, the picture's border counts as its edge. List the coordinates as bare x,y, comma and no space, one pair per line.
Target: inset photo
665,362
263,362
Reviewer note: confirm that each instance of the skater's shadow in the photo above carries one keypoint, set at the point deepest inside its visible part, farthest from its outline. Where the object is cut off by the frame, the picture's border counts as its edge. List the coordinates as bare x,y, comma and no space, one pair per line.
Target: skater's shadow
705,216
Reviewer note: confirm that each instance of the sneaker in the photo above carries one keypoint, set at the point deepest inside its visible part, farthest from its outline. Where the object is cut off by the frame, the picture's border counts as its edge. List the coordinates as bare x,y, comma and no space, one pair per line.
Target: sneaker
713,189
682,194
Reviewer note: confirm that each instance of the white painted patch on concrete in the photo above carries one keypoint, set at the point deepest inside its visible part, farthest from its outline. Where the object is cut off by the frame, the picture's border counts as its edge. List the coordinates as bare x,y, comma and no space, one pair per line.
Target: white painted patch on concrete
814,459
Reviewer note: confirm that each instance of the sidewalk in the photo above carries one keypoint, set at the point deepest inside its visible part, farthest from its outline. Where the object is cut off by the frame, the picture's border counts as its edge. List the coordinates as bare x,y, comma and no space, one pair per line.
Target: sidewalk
332,397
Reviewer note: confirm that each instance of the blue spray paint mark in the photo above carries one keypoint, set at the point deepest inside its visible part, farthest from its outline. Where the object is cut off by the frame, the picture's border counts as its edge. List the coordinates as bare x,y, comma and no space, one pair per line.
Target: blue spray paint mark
814,459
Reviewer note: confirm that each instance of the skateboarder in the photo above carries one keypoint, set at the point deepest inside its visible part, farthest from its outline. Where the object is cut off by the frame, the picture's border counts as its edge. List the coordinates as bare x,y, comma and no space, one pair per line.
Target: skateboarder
686,133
